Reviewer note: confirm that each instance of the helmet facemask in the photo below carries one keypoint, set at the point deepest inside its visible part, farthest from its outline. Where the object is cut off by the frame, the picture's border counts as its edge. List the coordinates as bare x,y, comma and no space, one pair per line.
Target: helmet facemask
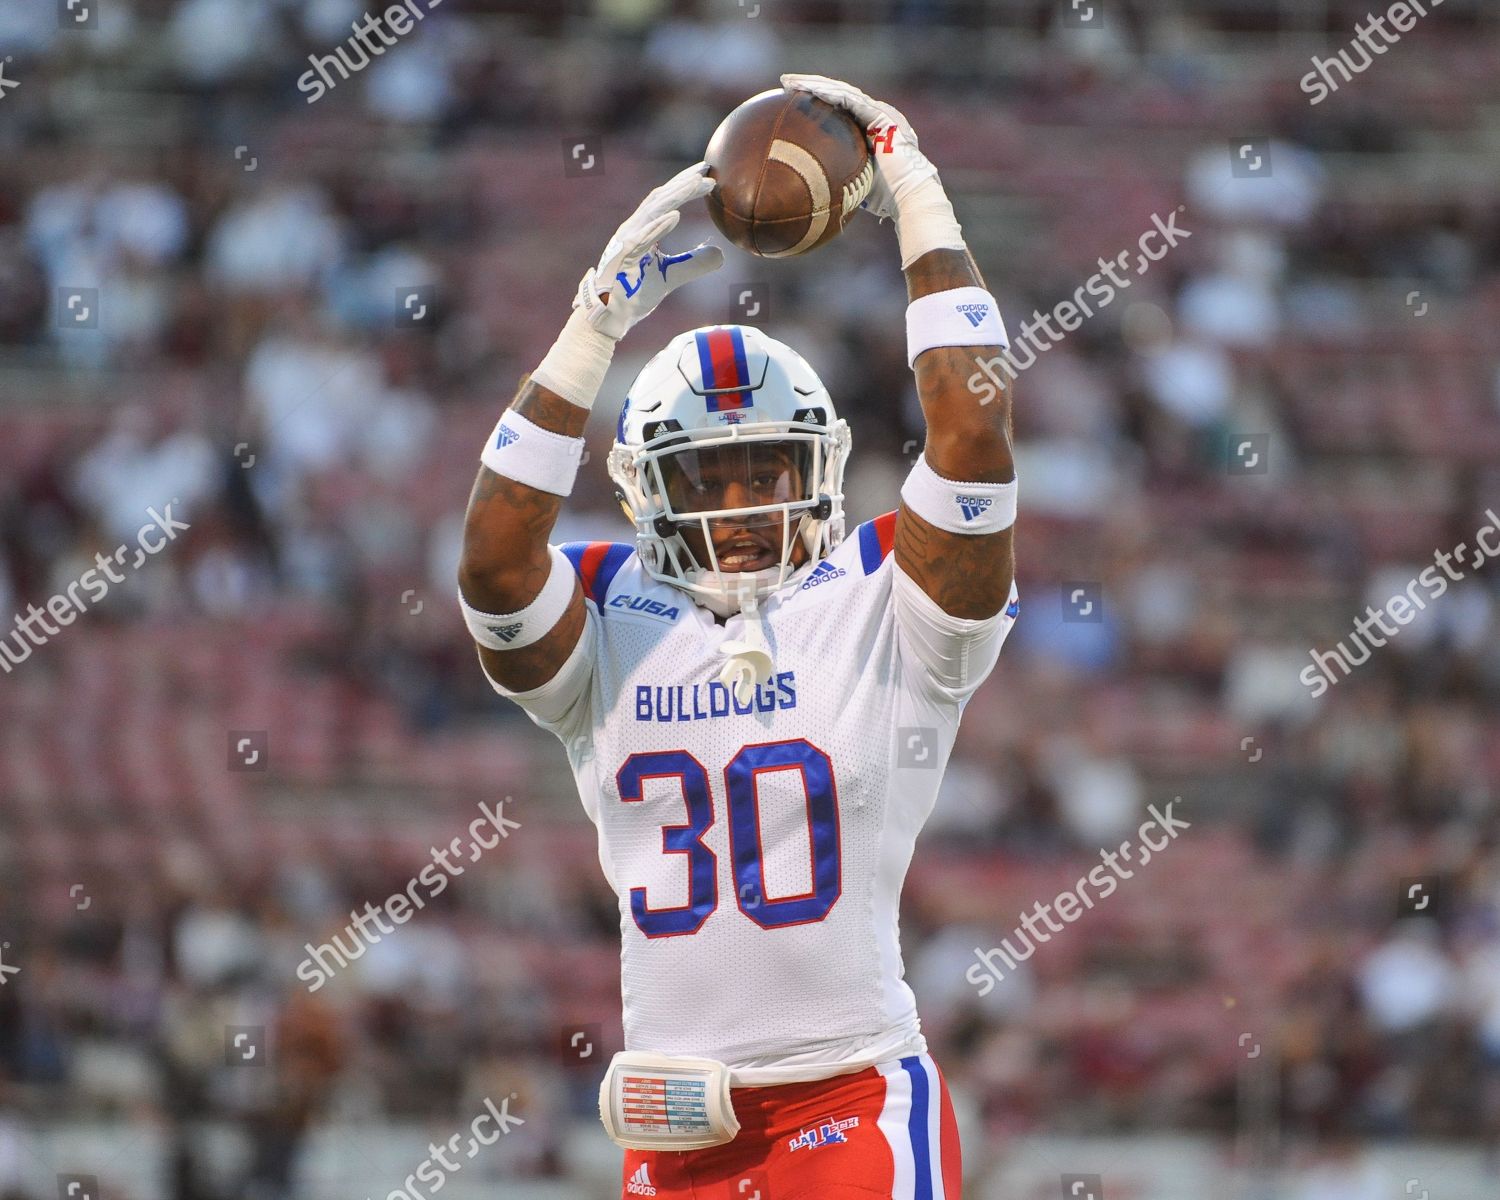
780,484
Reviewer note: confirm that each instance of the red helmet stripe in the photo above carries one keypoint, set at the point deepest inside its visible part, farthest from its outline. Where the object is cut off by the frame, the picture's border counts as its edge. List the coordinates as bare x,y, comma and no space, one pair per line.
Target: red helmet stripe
721,353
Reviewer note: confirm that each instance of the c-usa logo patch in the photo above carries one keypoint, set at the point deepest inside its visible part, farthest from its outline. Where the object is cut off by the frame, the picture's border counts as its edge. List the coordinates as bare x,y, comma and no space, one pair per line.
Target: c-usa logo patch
644,606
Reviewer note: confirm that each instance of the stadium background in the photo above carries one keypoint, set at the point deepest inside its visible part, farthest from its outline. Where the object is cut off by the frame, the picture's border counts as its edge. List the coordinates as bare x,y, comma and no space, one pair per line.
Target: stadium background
1250,1016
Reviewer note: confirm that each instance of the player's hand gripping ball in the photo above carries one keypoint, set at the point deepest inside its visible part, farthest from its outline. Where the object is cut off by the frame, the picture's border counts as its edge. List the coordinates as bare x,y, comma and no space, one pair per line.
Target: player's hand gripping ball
904,176
790,169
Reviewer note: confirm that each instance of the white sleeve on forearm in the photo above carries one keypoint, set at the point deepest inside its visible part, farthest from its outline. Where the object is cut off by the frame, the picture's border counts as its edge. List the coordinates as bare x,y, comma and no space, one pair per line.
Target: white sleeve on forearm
575,366
954,653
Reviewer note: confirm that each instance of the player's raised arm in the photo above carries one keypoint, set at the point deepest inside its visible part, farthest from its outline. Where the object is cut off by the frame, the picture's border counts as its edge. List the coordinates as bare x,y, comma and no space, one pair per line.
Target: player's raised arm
519,596
958,506
953,533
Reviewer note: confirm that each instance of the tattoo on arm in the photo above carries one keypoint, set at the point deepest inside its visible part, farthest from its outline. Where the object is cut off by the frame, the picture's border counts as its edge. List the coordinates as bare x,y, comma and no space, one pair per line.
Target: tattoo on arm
508,525
549,410
966,576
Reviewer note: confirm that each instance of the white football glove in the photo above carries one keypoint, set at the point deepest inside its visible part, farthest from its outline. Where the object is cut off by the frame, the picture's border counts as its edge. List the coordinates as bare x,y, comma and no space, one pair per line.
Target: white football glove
906,186
637,274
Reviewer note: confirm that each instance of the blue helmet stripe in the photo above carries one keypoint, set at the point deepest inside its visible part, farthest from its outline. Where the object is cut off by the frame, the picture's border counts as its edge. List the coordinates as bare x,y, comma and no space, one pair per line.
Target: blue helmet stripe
706,362
741,362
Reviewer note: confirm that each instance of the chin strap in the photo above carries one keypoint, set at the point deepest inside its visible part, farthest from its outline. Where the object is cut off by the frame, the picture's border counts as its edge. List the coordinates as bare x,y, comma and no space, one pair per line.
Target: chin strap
749,663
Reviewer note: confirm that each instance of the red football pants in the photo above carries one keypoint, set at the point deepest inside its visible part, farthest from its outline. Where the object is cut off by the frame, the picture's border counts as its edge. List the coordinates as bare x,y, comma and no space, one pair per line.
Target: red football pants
884,1131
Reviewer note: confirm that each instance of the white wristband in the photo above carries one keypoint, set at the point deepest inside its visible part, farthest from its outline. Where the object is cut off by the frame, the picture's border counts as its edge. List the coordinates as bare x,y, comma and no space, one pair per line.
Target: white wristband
962,316
512,631
959,507
522,450
576,365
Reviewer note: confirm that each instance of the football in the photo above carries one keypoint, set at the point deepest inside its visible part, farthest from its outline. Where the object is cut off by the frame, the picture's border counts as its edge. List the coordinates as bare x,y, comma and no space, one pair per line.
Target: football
790,170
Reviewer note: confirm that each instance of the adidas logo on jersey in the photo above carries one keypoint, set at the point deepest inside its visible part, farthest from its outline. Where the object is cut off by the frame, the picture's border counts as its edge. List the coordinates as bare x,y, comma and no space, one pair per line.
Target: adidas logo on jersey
506,436
972,506
975,312
646,606
506,633
640,1183
822,573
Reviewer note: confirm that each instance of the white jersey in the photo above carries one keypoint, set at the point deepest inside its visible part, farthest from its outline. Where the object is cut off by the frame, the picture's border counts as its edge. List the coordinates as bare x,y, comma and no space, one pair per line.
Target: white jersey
758,850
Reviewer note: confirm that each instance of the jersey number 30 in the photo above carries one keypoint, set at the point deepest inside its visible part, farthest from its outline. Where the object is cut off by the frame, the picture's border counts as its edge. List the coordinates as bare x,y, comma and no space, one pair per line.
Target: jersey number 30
745,850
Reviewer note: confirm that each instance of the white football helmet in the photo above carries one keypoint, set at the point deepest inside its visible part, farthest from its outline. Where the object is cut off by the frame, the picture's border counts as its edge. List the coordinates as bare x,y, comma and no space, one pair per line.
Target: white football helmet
727,423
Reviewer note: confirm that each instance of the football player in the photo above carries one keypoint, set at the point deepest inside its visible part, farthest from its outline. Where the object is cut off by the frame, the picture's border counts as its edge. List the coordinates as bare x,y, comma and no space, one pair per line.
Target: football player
757,709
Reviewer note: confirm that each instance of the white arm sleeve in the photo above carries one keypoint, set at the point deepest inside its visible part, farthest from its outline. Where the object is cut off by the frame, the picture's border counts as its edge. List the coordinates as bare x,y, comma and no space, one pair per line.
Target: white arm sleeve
562,704
954,654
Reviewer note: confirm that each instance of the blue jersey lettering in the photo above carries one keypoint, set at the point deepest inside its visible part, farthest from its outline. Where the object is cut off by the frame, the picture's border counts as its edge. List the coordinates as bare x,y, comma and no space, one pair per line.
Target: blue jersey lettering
708,701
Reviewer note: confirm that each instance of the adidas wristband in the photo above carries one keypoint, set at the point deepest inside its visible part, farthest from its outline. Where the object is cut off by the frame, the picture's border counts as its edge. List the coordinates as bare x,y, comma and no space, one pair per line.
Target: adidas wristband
964,316
973,508
522,450
513,631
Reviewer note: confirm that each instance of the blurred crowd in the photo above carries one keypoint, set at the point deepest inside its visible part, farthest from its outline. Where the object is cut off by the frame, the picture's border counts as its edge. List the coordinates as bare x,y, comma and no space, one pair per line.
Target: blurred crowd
305,318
